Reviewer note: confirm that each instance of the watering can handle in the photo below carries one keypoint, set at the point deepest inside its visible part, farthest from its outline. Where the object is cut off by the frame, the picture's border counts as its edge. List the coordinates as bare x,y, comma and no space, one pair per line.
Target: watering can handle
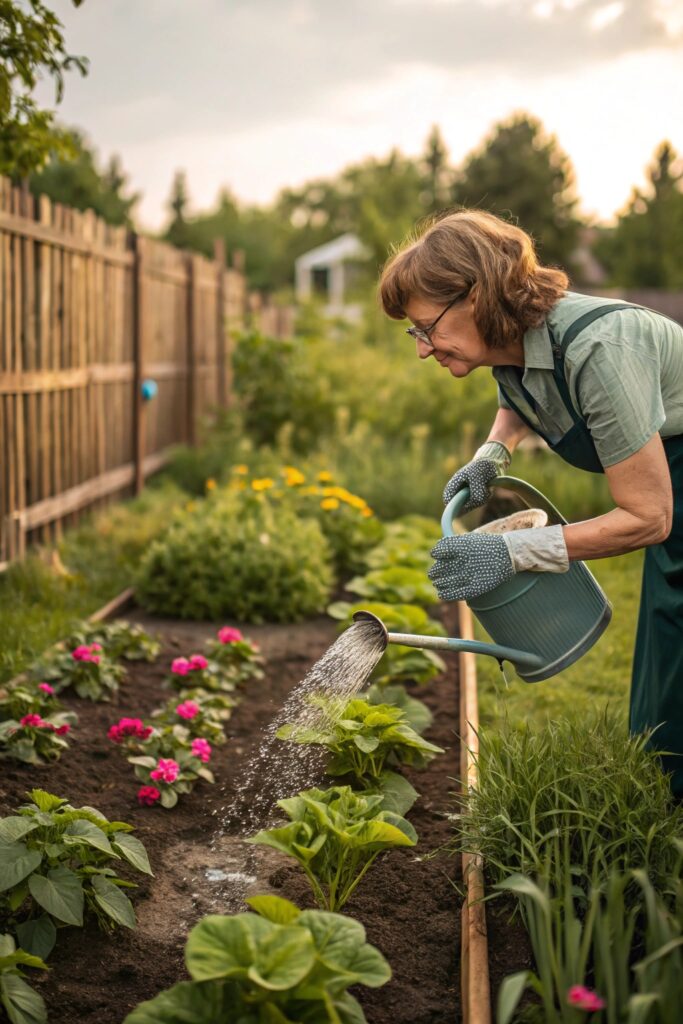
529,494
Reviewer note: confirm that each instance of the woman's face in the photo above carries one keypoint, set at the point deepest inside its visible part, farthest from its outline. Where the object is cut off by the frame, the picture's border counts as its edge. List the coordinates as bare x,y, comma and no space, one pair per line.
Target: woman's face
457,344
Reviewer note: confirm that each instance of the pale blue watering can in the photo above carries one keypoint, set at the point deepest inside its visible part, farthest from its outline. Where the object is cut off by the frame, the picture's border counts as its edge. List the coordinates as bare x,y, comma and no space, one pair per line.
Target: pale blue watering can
556,617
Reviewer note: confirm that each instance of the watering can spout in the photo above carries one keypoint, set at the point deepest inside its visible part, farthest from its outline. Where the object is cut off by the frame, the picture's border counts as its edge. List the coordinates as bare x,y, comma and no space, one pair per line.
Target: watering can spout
523,661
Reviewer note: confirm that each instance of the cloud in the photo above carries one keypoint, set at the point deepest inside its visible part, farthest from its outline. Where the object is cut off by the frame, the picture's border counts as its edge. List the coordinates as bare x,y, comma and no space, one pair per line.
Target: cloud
163,66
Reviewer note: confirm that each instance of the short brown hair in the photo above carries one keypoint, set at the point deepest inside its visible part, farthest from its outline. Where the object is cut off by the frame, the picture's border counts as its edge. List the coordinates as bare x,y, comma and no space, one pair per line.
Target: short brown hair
476,250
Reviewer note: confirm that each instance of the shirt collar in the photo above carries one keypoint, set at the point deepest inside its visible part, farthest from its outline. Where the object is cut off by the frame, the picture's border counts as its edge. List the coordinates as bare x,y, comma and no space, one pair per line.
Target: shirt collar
538,353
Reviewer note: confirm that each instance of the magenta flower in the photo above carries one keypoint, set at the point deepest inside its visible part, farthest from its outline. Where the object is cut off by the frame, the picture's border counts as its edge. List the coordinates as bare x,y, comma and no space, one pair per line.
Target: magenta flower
95,658
148,795
198,661
129,727
166,770
201,748
188,709
61,730
95,647
81,653
180,666
46,688
229,635
34,720
585,999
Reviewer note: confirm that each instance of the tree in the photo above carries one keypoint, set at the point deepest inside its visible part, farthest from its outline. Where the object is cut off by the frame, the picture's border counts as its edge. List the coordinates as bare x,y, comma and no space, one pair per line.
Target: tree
31,42
521,173
644,250
438,176
178,232
76,181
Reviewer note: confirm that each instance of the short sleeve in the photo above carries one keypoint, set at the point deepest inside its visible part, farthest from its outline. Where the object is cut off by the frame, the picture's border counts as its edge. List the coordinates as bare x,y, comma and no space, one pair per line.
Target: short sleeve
502,401
614,374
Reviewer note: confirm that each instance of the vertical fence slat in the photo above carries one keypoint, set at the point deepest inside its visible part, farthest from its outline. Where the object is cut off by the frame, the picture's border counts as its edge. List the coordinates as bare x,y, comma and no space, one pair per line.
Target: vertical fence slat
138,360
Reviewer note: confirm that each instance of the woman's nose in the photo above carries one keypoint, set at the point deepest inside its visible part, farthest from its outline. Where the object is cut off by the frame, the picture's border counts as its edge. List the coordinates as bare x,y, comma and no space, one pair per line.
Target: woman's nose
424,350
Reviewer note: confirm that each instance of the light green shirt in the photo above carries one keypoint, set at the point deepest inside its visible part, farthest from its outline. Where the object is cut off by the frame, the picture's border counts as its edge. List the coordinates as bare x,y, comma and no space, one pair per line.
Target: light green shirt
624,372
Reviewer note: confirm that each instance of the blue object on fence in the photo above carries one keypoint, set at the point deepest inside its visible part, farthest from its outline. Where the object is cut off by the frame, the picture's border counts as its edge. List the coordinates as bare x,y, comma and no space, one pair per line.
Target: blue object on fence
149,389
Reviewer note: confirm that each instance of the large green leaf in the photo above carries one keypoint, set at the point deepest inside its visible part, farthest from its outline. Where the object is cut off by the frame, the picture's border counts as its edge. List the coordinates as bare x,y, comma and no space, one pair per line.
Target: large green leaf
186,1003
16,862
83,831
340,942
113,902
379,834
14,827
133,850
23,1005
398,795
60,893
366,743
274,908
283,958
509,995
224,947
418,715
37,936
45,801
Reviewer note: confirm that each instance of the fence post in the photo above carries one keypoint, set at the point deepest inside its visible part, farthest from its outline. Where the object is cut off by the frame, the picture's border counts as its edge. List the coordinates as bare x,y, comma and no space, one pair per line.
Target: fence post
138,361
191,353
221,333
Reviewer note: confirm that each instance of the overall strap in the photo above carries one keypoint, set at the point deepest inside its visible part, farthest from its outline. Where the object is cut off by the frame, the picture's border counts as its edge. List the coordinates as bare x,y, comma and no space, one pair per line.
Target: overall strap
583,321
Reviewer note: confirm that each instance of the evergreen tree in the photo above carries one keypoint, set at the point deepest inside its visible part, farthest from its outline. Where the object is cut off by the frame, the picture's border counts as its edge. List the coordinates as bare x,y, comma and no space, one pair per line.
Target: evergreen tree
179,232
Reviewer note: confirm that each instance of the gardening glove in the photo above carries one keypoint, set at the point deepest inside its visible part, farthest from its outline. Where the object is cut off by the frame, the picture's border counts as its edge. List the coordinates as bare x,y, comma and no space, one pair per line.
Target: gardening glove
492,459
471,564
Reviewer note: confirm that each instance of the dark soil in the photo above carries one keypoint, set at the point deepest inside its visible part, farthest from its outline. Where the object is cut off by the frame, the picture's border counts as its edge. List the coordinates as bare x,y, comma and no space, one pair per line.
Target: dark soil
408,903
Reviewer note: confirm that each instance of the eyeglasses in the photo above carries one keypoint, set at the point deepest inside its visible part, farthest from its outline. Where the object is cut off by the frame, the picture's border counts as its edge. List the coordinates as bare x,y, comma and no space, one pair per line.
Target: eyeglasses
422,333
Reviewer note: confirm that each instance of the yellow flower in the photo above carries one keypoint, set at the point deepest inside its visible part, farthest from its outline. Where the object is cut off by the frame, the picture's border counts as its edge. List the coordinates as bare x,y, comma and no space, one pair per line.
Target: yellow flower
210,484
329,503
263,484
310,490
293,477
367,512
241,469
324,477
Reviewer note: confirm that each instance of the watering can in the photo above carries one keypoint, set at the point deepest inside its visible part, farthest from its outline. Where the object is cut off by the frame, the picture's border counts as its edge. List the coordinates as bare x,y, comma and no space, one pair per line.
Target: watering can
557,616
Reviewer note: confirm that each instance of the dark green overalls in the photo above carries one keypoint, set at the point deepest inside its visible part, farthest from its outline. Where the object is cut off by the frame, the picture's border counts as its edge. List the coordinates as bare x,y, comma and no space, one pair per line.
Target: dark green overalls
657,680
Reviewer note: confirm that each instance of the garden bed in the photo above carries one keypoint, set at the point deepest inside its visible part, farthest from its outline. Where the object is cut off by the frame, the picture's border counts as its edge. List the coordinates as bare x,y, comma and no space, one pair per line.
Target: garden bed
409,905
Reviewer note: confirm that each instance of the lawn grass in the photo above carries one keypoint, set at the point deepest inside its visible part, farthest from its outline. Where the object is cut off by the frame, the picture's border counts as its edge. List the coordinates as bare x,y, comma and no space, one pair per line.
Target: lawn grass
603,675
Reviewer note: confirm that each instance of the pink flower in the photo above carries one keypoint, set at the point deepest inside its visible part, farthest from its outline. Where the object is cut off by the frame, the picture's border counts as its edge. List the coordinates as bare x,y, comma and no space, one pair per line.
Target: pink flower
188,709
95,658
229,635
180,666
46,688
61,730
129,727
198,661
34,720
148,795
95,647
81,653
201,748
585,999
167,770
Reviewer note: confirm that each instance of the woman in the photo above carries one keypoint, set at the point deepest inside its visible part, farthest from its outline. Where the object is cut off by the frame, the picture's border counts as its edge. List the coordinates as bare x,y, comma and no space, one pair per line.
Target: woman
602,383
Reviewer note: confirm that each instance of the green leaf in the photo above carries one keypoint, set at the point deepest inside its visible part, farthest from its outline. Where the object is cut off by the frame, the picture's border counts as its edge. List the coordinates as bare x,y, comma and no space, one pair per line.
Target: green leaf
37,936
283,958
133,850
185,1003
398,795
61,894
16,862
274,908
340,943
366,743
23,1005
509,995
45,801
113,902
83,831
14,827
224,947
169,798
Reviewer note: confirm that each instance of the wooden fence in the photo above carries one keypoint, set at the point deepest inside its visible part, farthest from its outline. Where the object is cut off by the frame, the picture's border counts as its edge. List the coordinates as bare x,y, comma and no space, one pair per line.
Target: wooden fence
88,312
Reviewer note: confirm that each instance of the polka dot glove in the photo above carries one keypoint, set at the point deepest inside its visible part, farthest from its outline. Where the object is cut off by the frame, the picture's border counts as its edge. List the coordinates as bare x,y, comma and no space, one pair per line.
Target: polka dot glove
469,565
492,459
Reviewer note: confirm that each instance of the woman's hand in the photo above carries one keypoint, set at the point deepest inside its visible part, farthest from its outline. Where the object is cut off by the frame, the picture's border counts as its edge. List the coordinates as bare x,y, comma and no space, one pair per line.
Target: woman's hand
491,460
641,488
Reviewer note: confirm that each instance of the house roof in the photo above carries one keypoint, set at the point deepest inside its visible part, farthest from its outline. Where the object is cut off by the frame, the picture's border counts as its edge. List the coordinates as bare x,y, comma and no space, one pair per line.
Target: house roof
346,247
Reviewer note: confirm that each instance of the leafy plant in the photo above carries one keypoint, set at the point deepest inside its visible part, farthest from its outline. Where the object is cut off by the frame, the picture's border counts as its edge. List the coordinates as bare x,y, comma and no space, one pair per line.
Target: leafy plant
417,714
201,715
395,583
238,656
236,556
198,672
174,774
86,669
21,1003
55,865
365,739
336,835
120,639
277,965
32,725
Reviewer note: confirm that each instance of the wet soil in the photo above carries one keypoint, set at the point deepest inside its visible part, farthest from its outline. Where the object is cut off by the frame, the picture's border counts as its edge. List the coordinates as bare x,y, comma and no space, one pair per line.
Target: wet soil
409,902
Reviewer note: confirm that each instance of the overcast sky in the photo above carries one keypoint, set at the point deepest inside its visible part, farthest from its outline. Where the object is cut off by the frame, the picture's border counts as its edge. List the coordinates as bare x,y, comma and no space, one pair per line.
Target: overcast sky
258,94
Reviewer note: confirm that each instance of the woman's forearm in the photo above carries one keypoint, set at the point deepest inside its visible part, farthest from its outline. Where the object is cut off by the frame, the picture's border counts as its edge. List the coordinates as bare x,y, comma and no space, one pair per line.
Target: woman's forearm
508,428
614,533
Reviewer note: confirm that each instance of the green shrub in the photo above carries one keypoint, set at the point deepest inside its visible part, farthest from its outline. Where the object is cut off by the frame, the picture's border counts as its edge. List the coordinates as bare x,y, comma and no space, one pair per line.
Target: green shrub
396,583
33,726
235,556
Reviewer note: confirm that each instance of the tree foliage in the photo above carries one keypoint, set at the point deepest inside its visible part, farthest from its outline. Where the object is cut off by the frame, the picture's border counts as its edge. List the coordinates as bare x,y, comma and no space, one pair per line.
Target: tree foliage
31,44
